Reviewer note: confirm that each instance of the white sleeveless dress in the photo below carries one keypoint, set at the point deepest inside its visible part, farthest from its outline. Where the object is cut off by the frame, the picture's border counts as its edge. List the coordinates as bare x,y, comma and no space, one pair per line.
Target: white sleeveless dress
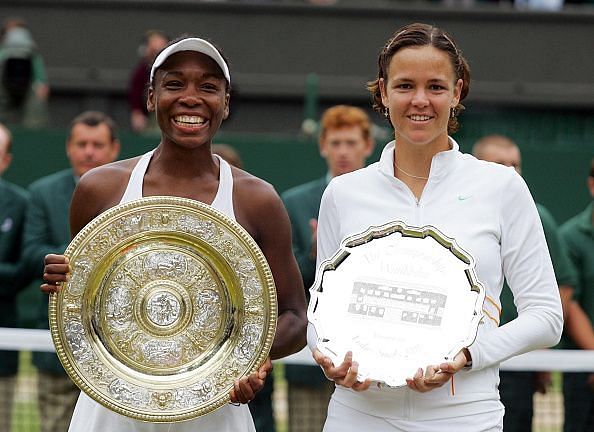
90,416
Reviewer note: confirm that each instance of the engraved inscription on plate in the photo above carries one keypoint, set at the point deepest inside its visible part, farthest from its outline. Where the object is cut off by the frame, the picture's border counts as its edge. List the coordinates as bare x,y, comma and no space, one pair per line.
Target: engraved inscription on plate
169,302
392,303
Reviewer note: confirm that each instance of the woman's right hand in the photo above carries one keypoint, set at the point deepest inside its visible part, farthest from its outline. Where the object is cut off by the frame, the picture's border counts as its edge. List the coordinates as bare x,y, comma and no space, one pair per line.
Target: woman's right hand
345,374
56,271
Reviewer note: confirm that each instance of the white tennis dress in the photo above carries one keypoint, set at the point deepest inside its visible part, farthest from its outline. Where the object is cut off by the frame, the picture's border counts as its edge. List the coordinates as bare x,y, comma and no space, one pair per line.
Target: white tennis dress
90,416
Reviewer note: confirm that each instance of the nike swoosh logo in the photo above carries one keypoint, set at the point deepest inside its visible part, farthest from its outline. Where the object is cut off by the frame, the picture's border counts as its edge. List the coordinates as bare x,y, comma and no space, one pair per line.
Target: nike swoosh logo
464,197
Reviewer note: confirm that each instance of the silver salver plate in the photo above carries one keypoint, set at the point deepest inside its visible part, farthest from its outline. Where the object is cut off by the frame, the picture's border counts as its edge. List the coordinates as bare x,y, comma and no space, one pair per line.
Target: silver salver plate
169,302
400,298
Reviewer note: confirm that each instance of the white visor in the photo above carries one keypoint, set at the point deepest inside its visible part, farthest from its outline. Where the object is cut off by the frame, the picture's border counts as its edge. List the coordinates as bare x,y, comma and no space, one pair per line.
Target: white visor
191,44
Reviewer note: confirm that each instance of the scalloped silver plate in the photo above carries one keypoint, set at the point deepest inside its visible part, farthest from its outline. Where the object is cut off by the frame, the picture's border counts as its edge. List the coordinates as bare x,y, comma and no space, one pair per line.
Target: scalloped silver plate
399,297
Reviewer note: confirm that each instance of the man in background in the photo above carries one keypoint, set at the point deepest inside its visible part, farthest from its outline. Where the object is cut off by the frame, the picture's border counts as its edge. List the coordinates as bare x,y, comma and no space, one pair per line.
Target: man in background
345,143
578,388
516,389
13,203
92,142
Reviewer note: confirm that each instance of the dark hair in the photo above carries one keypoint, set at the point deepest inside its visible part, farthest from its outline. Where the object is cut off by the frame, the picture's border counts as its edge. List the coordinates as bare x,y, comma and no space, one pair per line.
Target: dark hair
592,168
414,35
95,118
186,36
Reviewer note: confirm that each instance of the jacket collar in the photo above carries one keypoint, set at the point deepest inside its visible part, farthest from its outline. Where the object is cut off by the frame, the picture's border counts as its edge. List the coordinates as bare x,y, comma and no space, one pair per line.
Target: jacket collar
441,164
584,220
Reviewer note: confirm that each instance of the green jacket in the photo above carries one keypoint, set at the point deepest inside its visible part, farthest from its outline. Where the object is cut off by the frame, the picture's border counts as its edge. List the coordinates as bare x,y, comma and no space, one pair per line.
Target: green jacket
303,203
578,233
47,231
565,273
13,203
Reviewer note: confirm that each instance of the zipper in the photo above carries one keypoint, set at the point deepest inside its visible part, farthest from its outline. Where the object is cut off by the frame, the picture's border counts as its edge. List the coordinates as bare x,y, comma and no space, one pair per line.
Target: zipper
416,202
418,211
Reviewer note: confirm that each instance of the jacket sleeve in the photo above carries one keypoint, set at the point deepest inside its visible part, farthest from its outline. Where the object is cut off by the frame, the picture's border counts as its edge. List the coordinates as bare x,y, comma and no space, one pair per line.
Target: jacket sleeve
38,237
301,248
527,268
12,277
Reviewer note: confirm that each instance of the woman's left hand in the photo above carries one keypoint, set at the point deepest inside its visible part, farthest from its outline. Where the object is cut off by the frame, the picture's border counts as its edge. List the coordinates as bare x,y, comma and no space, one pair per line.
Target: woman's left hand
245,389
437,375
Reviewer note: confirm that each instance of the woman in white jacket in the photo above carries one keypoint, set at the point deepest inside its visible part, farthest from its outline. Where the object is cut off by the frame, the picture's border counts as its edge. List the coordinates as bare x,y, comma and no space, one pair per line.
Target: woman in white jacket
423,179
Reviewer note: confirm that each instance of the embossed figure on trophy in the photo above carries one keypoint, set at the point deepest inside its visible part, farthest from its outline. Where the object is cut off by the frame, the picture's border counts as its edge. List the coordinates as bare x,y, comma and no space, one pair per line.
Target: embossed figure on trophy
166,264
163,308
119,306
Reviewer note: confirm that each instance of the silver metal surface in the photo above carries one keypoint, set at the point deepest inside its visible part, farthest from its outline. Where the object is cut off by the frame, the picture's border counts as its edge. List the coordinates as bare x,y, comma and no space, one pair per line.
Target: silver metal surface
398,297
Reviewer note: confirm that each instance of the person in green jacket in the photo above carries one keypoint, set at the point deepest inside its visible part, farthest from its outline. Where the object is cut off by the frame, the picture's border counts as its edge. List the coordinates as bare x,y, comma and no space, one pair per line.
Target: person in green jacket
13,203
92,142
517,388
345,143
578,388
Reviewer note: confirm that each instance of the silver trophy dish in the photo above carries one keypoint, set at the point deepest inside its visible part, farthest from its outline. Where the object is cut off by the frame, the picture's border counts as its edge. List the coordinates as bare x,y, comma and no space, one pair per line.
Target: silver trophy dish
399,297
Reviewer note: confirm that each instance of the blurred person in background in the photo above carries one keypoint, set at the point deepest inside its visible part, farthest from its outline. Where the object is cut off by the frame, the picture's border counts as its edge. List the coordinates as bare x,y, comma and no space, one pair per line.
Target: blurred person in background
13,203
345,143
24,89
91,142
228,153
578,387
153,42
516,388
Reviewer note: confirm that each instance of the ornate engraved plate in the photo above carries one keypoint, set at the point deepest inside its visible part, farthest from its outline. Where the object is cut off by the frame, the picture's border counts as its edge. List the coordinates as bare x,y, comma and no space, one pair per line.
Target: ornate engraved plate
168,303
398,297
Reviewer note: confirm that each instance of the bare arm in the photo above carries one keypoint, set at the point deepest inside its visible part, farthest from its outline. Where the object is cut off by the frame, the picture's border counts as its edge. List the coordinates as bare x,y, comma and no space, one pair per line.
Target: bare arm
275,241
566,294
578,327
260,210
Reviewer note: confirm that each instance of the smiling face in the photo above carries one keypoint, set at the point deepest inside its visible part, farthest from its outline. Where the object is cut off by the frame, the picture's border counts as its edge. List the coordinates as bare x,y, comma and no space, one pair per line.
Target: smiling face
190,99
419,91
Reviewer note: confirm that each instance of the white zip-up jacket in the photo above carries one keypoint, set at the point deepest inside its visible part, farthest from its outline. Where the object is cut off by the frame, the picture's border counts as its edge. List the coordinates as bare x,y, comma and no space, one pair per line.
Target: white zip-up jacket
488,209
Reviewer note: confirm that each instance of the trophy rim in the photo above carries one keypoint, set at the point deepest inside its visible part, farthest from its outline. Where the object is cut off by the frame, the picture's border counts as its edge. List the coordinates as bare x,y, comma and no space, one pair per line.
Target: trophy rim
239,234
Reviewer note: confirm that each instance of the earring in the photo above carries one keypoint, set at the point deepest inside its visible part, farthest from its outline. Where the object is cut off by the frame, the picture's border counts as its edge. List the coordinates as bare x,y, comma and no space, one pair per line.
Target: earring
452,112
386,113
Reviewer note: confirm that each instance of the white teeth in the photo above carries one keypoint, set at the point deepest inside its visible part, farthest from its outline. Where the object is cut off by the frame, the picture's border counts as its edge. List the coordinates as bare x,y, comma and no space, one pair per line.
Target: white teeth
419,117
189,119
